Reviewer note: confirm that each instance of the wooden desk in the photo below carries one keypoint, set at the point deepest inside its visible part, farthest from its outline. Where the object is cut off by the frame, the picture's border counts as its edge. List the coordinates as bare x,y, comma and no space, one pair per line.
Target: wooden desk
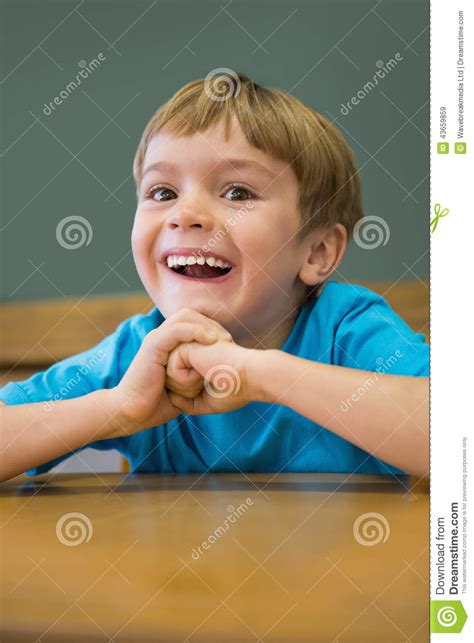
288,568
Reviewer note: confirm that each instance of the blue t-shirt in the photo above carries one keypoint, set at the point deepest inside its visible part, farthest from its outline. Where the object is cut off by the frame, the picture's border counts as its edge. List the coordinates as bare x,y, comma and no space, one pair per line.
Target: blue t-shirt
347,326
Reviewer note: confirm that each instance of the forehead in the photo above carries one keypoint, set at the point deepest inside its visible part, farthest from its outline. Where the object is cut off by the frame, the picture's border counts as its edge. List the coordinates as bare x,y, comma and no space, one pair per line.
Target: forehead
204,151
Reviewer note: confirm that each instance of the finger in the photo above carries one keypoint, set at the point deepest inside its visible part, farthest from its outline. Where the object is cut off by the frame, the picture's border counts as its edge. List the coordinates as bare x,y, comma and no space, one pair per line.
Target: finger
189,394
188,314
179,370
184,404
195,406
184,378
164,339
186,390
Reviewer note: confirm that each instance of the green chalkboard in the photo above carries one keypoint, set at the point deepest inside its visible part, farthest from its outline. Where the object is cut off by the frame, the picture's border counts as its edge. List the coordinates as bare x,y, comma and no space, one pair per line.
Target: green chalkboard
73,157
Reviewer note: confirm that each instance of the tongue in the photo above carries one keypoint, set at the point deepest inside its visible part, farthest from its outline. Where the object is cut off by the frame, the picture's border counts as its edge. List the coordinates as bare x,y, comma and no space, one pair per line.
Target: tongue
203,272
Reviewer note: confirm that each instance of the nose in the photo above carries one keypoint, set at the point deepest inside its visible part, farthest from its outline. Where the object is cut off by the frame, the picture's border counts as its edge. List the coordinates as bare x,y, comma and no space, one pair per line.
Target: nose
190,213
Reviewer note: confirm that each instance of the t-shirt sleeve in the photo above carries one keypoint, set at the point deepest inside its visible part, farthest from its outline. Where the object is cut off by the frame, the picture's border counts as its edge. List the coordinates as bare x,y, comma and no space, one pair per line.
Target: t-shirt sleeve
99,367
372,337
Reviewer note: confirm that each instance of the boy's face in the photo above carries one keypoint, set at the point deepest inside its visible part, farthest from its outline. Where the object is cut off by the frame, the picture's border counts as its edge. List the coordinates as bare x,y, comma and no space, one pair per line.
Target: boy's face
189,207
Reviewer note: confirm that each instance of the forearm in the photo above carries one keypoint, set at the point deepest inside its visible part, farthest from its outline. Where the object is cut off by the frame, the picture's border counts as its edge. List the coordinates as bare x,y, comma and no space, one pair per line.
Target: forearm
32,434
386,415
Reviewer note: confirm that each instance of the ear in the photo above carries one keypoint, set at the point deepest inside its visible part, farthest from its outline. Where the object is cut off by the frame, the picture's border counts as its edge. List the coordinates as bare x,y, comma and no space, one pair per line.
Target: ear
325,248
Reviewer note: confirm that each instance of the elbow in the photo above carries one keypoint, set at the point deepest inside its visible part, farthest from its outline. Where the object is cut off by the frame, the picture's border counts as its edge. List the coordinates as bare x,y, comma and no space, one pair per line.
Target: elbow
420,470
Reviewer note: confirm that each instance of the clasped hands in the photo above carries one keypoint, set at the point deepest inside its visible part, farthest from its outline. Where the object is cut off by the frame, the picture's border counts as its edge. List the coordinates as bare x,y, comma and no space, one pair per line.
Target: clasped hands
188,364
208,378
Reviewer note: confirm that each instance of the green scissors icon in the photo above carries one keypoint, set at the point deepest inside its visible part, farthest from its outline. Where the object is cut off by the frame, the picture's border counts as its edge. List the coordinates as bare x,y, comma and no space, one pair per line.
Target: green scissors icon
439,213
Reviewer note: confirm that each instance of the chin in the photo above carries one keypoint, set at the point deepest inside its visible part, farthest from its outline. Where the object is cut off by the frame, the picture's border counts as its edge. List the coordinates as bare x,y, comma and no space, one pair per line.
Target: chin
213,309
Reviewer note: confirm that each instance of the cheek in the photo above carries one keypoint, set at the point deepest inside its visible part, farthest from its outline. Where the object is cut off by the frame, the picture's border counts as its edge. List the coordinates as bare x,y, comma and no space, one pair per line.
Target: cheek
138,237
142,247
263,240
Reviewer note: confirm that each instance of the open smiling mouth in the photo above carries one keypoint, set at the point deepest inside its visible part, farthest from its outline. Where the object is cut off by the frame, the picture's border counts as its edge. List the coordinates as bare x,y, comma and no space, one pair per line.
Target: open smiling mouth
198,267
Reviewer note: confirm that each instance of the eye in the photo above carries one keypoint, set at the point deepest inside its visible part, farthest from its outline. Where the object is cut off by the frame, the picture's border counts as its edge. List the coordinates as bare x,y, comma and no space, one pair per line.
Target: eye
245,193
159,193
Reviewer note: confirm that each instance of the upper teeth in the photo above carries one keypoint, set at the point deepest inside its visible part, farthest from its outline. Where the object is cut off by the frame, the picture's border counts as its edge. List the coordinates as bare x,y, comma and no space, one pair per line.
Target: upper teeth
190,260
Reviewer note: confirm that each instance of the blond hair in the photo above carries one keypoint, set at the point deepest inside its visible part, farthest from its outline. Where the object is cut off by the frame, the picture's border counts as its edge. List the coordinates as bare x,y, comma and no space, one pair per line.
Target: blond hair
279,125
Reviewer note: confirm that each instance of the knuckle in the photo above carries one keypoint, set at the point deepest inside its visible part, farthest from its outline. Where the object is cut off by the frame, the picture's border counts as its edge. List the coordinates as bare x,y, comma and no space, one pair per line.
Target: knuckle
185,329
186,312
149,338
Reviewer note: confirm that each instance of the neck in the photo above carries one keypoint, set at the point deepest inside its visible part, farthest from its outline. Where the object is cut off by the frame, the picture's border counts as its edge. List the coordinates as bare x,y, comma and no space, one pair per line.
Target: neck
273,338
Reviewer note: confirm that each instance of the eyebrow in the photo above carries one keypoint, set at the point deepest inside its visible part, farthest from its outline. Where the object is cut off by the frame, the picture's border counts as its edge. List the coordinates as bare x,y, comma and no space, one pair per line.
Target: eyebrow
235,164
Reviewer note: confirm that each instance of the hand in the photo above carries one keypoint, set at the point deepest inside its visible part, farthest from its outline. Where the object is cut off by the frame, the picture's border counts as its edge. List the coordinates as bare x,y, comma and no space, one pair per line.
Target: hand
140,398
213,378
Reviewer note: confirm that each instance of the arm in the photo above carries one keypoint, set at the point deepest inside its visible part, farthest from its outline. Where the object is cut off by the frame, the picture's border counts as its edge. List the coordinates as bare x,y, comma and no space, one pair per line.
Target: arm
35,433
386,415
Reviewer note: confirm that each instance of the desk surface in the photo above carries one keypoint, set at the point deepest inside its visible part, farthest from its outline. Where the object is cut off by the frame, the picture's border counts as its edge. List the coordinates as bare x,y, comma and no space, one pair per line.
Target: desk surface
287,557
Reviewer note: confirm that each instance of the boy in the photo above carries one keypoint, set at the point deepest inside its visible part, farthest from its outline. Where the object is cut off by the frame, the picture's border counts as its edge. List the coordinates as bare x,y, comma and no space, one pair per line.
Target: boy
251,360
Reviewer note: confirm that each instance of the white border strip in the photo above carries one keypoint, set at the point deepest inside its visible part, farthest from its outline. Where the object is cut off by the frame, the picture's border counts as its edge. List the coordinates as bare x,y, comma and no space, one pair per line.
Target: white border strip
452,302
